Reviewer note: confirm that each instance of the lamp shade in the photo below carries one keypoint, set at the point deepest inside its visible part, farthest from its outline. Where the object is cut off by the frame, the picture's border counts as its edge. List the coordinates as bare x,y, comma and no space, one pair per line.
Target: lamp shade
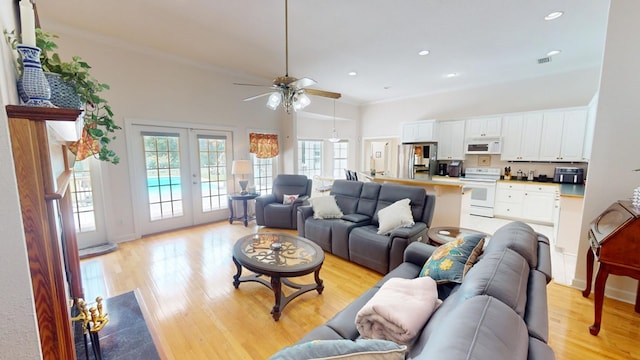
241,167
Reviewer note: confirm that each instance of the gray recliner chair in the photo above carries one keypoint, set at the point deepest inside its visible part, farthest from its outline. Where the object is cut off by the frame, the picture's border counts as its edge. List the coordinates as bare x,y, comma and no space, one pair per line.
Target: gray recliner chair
270,210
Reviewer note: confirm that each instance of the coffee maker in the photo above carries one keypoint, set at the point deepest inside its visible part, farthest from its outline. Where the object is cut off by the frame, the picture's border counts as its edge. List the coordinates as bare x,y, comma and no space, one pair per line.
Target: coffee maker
442,169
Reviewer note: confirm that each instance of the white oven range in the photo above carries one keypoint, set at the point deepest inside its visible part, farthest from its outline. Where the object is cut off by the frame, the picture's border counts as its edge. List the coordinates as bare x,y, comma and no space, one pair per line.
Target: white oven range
482,182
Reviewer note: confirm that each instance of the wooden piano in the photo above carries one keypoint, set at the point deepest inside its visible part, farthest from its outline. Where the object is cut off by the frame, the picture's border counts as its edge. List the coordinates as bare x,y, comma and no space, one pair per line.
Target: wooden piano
615,243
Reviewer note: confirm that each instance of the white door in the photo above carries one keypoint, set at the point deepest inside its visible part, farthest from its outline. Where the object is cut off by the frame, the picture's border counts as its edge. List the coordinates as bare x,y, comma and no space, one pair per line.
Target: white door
180,177
88,205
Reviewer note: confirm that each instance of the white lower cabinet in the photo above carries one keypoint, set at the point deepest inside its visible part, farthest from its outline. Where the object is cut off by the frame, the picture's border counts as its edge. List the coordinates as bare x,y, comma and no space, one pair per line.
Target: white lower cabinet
528,202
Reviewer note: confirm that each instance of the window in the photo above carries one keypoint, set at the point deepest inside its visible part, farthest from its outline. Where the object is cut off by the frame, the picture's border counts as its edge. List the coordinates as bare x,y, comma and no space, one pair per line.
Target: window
213,171
162,154
310,158
82,197
263,174
340,157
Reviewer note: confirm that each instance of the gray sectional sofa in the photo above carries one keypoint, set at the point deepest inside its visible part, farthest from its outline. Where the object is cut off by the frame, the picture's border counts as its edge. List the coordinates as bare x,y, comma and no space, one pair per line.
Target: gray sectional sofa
499,311
354,236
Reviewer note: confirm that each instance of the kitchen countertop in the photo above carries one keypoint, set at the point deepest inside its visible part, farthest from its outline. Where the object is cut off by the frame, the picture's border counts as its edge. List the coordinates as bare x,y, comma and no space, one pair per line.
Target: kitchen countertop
421,180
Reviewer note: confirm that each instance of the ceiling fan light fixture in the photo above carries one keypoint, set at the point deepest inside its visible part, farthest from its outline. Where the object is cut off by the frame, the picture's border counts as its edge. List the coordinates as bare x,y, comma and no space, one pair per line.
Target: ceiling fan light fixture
300,101
334,134
274,100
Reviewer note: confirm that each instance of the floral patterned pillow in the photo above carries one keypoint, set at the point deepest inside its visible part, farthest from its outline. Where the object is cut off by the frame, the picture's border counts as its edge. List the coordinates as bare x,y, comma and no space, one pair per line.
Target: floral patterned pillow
451,261
288,199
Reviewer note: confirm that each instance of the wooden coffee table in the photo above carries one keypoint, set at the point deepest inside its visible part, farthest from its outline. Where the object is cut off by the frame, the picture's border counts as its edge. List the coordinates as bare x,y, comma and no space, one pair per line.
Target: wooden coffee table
444,234
278,256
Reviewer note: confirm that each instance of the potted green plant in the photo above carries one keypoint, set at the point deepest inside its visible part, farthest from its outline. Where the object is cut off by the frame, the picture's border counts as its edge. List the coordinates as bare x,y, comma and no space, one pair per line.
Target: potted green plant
99,126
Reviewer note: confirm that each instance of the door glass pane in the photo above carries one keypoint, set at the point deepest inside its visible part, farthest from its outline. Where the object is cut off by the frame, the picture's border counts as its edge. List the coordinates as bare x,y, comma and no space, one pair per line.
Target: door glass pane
82,197
213,172
162,158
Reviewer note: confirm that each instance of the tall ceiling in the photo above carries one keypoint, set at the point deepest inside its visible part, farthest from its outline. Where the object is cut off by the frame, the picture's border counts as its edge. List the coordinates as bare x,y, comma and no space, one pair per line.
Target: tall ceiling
482,41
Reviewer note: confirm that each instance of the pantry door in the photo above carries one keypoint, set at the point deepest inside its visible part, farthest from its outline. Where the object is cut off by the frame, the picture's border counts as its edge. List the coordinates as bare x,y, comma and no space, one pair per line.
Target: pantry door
180,177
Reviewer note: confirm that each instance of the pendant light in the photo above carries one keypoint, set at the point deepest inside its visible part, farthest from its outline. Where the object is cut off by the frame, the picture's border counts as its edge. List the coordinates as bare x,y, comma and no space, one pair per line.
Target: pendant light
334,134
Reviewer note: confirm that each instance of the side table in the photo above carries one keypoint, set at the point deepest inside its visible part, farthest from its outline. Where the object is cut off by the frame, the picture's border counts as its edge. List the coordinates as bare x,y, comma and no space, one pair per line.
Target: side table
244,198
444,234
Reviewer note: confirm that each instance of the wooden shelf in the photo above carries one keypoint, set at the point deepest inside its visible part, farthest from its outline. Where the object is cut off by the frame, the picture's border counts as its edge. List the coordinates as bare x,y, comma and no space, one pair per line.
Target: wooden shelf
37,113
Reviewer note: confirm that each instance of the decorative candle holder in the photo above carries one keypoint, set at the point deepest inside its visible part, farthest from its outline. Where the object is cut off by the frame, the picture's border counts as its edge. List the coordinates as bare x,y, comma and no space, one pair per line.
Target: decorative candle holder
35,85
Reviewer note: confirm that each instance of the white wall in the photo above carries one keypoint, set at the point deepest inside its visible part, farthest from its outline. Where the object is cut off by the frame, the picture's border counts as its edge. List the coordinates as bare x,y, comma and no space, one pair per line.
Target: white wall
615,145
558,91
149,85
18,328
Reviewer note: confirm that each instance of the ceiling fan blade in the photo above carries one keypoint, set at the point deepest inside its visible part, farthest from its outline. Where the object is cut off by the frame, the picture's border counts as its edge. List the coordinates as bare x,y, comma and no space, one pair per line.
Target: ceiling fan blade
257,96
261,85
328,94
302,83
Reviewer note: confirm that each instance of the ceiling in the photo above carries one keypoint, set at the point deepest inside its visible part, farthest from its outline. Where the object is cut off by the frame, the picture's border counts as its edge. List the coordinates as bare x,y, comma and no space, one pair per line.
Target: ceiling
483,41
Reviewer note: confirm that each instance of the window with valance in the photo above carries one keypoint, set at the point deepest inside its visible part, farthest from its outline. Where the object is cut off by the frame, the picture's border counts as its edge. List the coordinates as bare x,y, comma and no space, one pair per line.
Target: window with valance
265,146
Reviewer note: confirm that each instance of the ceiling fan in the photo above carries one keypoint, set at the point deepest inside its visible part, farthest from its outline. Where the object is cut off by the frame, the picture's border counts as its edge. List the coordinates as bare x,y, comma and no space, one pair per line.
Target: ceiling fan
289,91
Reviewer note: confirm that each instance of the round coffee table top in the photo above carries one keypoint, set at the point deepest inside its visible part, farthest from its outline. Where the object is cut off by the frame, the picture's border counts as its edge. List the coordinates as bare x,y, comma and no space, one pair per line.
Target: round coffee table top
284,254
444,234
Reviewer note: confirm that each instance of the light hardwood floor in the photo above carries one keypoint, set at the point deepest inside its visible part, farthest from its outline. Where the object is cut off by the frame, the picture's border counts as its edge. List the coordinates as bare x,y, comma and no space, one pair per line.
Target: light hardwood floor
185,280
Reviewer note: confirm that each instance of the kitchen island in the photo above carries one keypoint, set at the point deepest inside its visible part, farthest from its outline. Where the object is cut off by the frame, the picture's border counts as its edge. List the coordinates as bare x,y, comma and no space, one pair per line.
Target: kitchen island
452,198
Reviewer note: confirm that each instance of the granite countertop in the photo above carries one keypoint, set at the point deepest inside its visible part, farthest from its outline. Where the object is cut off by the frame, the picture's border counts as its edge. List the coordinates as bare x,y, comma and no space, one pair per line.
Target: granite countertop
421,180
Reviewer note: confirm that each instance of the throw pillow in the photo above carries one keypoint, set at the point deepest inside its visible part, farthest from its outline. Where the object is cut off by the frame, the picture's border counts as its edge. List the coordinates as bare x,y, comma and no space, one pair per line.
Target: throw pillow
343,349
451,261
395,216
325,207
289,199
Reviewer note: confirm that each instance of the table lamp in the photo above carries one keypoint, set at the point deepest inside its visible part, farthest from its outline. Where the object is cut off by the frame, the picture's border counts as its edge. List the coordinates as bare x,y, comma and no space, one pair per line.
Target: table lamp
242,168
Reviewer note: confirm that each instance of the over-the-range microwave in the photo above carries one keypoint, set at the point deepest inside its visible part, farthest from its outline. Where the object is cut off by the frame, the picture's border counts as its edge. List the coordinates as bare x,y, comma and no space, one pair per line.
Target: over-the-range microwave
483,146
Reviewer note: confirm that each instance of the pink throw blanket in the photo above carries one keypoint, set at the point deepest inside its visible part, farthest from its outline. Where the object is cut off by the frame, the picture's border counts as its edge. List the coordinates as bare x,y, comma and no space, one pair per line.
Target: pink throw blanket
399,310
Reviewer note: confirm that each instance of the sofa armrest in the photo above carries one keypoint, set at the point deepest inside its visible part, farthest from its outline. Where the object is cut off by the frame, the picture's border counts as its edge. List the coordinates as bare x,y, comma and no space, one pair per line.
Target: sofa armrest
261,202
417,253
410,232
304,212
302,200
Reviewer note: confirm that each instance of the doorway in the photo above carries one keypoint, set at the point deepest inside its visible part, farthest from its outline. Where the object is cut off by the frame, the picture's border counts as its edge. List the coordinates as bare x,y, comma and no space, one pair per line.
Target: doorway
180,177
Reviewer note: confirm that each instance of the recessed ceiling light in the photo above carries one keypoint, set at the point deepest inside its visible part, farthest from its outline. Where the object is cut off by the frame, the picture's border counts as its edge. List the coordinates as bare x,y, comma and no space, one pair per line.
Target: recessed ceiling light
451,75
423,52
352,73
554,15
553,52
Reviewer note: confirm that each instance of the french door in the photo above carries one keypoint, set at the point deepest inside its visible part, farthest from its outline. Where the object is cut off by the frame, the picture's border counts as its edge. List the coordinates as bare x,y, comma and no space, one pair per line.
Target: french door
181,177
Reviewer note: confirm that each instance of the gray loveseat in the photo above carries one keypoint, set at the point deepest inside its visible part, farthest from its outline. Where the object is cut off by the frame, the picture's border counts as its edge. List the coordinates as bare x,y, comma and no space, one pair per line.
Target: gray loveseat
499,311
354,236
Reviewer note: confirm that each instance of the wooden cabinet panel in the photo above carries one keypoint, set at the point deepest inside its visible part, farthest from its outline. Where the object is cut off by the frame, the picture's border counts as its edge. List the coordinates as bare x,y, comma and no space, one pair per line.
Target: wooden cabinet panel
41,198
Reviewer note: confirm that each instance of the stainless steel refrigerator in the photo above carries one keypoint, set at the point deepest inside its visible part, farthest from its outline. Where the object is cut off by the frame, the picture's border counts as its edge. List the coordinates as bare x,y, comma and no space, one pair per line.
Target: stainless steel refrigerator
417,159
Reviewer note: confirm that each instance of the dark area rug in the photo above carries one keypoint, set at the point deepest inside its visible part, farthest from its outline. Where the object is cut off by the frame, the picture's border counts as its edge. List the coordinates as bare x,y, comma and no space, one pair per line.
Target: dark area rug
125,336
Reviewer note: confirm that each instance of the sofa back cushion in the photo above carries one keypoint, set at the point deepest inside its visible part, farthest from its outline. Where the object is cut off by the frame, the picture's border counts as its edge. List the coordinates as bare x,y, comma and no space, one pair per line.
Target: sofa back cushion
480,328
390,193
347,194
291,185
518,237
503,275
368,199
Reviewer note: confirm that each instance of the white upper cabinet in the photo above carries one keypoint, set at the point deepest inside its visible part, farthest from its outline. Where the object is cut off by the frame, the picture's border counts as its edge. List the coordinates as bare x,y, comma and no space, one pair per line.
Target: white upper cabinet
483,127
563,135
521,137
419,131
451,140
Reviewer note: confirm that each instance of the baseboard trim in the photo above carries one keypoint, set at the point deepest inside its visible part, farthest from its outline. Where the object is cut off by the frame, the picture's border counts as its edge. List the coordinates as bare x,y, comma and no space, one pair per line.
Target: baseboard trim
610,292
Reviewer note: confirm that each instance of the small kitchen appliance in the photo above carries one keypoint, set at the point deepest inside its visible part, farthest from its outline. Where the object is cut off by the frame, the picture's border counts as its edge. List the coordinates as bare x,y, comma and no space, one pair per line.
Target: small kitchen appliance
568,175
442,169
455,168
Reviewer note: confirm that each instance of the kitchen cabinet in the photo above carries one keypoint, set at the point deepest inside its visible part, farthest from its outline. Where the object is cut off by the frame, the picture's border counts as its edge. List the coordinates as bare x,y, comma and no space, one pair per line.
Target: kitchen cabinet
563,134
451,140
528,202
521,134
419,131
590,128
483,127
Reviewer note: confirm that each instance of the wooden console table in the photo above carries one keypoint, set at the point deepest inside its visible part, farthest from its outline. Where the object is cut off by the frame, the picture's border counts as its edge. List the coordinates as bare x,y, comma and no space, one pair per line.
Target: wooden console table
615,243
